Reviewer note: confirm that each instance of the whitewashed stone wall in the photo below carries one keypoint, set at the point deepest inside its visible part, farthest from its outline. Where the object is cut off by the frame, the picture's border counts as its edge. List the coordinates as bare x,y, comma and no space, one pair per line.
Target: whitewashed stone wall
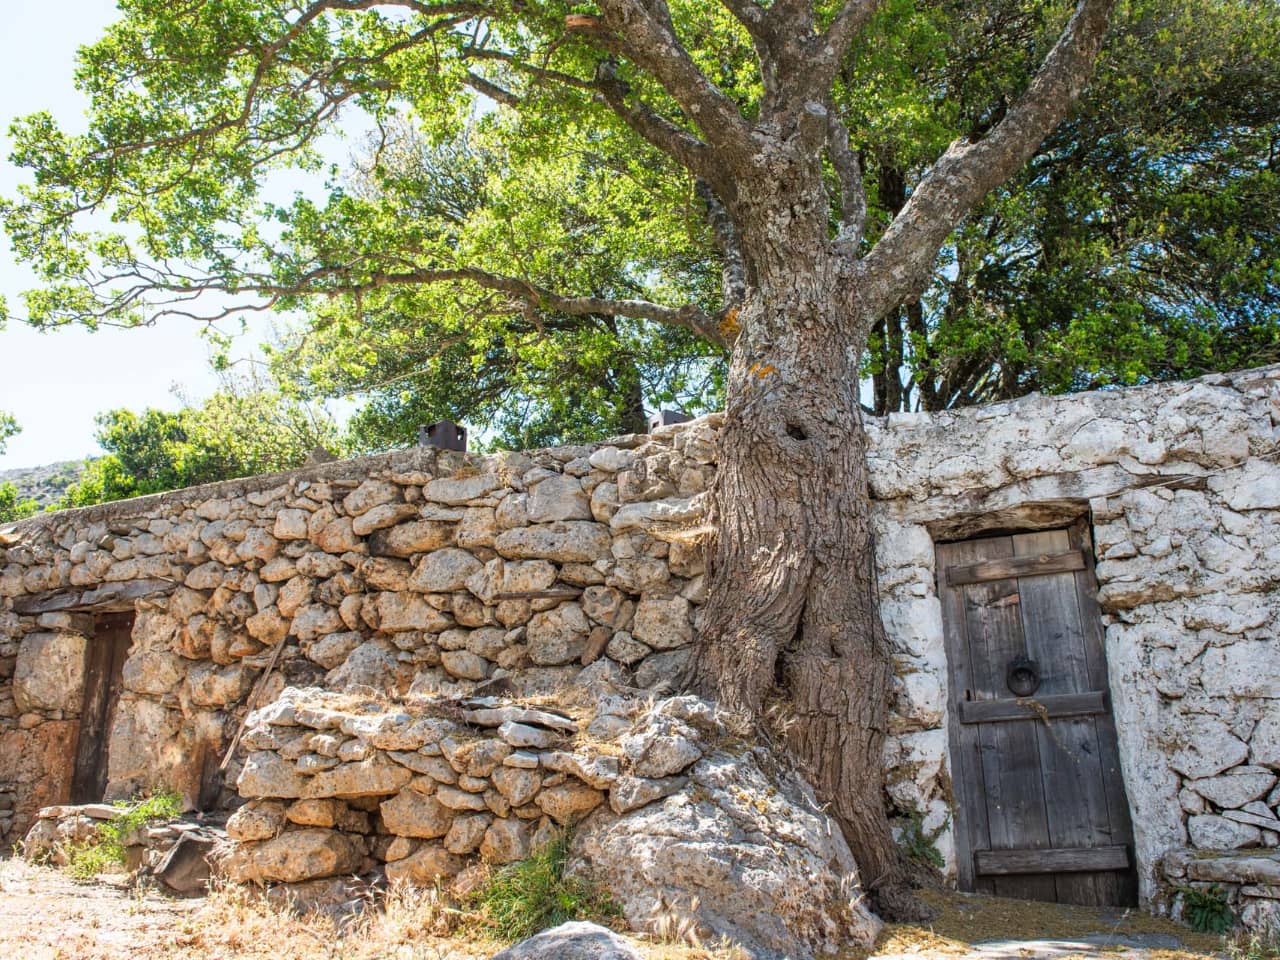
396,572
1182,486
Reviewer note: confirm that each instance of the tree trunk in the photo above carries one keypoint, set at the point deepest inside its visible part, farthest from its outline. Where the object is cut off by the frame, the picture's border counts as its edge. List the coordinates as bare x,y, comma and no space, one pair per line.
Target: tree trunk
792,630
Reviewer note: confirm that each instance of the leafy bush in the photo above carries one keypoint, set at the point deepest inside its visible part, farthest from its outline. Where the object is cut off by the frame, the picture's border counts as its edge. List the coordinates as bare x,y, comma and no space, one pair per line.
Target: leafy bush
88,858
534,894
917,843
14,506
1206,910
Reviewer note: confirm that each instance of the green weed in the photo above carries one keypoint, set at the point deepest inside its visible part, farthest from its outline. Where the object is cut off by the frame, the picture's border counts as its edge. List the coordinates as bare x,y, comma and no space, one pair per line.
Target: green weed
88,858
534,894
917,843
1205,909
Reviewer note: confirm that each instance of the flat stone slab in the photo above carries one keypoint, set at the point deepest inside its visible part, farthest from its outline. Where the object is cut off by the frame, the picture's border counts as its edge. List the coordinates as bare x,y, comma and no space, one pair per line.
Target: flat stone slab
1253,867
1105,947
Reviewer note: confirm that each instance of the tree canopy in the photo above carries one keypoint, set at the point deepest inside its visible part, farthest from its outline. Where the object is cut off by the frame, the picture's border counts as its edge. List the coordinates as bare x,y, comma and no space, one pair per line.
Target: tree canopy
238,432
512,248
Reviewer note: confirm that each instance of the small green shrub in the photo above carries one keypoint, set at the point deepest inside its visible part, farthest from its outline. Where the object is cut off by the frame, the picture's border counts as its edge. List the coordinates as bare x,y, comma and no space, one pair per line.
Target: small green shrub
534,894
917,843
88,858
1206,910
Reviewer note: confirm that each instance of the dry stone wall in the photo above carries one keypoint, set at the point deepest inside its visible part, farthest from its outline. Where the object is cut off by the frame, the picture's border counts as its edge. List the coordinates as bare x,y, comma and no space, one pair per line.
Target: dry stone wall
424,573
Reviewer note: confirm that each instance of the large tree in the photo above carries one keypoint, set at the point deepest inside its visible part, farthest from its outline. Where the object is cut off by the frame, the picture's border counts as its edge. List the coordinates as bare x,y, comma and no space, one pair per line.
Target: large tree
744,107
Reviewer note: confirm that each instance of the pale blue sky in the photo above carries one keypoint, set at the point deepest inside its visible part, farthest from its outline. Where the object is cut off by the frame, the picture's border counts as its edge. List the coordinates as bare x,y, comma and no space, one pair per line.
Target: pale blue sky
54,383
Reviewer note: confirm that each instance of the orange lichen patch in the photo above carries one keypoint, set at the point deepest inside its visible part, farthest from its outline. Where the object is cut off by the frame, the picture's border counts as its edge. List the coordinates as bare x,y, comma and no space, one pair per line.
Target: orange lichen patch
763,370
729,326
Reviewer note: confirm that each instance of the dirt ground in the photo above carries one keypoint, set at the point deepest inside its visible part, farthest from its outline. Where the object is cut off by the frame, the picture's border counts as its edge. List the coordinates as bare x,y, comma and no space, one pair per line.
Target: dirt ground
44,915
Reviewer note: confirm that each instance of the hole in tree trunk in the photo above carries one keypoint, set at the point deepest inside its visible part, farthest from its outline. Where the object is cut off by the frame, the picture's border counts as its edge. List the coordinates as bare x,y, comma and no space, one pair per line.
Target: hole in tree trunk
795,432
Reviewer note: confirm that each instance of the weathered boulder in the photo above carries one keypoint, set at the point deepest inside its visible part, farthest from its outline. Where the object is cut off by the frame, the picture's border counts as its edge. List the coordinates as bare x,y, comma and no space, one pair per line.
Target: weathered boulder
49,674
558,498
1211,832
411,814
257,820
663,623
425,867
293,856
577,940
565,541
444,571
557,636
742,851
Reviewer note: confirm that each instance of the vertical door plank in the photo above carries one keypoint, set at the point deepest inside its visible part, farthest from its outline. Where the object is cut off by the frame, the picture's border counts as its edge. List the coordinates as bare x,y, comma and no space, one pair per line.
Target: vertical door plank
1119,888
1010,751
104,678
1070,763
969,790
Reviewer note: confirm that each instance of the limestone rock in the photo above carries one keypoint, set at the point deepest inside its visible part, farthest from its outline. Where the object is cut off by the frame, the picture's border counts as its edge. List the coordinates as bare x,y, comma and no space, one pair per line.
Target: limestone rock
374,777
291,525
506,841
1236,787
632,793
524,736
406,539
517,785
444,571
1211,832
382,516
458,490
49,673
411,814
577,940
568,802
256,821
742,851
661,748
466,833
1208,748
369,494
266,774
664,623
293,856
399,611
558,498
557,636
1264,745
565,541
465,665
424,868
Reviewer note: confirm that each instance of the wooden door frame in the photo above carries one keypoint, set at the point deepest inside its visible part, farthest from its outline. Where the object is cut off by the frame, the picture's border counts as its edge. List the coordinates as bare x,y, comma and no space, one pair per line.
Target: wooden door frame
104,661
955,640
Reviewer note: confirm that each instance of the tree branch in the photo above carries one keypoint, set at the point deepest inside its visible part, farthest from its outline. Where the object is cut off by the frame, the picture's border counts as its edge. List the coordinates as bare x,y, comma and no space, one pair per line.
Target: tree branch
733,272
899,265
853,196
646,37
676,142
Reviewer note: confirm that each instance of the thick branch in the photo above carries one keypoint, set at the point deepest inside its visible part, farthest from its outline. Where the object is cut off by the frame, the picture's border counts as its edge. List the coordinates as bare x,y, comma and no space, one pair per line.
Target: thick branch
649,40
733,271
853,196
899,265
676,142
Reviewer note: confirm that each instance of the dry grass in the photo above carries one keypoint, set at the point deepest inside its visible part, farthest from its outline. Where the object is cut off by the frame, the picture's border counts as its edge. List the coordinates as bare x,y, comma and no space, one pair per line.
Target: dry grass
966,919
44,915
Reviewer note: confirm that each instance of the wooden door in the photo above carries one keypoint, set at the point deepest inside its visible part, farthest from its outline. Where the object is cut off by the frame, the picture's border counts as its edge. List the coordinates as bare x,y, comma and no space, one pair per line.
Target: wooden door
1040,805
103,679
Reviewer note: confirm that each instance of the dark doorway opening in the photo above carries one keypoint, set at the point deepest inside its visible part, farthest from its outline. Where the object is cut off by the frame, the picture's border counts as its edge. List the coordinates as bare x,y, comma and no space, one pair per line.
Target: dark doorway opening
1041,812
103,679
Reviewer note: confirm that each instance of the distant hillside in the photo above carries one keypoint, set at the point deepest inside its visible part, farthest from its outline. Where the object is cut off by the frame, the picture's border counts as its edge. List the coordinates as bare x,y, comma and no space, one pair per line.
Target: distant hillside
44,484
